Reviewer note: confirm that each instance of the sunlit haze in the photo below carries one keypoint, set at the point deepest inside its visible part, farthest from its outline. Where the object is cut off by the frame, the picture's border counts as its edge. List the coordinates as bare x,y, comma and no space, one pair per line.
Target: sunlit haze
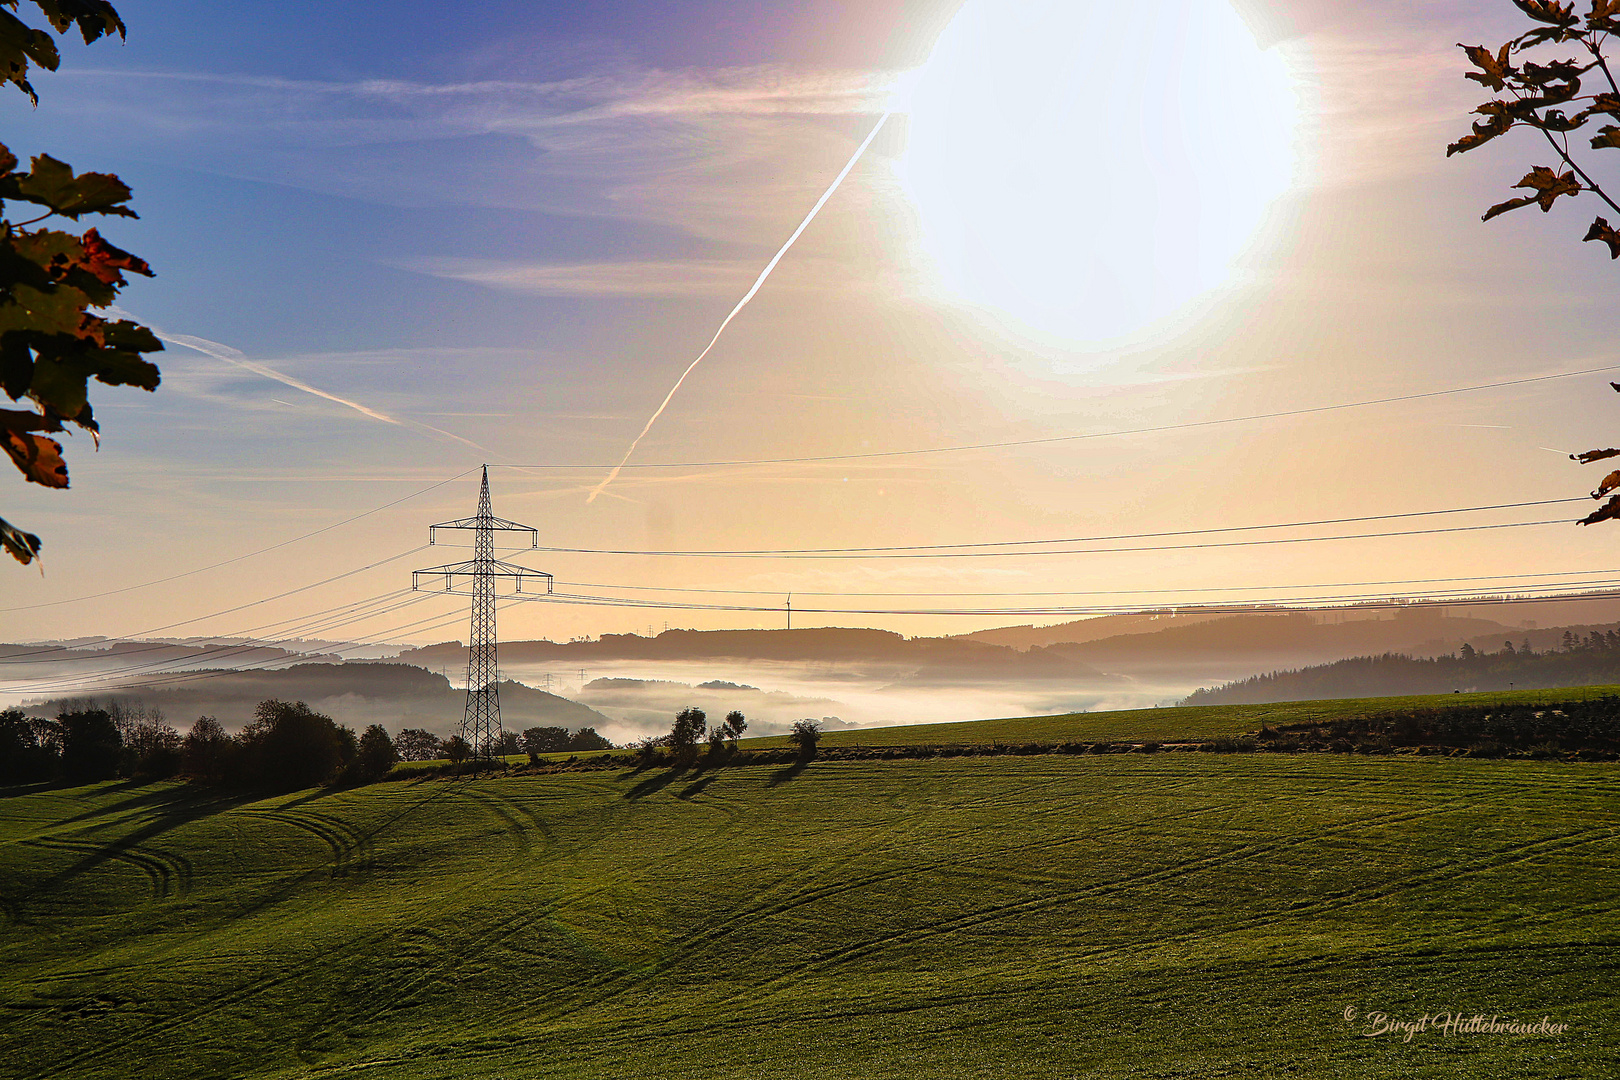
1091,167
1133,276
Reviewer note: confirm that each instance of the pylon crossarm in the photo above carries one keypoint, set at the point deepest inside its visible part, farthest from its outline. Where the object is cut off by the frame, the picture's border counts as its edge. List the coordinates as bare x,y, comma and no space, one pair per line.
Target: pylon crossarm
494,524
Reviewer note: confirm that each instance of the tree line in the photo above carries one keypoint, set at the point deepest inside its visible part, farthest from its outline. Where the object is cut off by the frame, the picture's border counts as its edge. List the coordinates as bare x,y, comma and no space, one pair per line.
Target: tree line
1589,660
287,746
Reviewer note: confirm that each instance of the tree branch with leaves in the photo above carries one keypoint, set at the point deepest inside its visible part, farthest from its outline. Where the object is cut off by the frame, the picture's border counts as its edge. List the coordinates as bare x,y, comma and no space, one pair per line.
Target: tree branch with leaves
51,344
1548,97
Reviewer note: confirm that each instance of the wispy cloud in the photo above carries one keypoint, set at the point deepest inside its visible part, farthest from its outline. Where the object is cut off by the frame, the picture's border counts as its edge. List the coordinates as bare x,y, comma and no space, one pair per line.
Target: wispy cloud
237,358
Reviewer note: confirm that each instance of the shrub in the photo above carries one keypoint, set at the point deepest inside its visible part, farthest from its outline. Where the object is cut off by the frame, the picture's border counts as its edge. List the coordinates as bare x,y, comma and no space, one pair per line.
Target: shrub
206,752
91,746
24,757
586,738
288,745
456,749
689,729
545,740
374,757
805,735
414,744
151,748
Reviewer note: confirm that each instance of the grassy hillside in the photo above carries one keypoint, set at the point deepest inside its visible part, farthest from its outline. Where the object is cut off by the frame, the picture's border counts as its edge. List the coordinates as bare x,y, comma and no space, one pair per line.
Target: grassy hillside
1189,915
1168,725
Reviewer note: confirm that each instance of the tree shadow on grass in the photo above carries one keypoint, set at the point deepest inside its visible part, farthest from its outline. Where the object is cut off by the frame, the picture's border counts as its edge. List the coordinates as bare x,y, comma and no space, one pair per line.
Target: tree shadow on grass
782,776
697,786
656,783
170,874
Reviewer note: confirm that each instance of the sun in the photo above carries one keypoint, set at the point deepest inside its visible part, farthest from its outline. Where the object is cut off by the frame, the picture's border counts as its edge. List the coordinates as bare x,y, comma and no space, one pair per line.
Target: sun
1089,168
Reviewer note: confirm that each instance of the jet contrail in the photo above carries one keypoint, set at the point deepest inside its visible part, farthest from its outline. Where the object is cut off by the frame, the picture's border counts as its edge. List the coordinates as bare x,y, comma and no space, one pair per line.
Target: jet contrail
235,356
749,295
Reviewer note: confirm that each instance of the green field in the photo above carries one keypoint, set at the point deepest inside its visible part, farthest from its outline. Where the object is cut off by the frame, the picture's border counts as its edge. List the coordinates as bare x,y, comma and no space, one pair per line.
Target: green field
1169,725
1186,915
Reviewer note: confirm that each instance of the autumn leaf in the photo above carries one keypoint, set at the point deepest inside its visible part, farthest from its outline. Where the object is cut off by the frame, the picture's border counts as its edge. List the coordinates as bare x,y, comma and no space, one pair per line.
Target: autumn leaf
95,18
1607,138
1605,15
1609,483
1494,70
1548,185
1594,455
1610,509
19,44
1511,204
1485,131
105,262
39,458
52,184
1548,11
1600,231
22,546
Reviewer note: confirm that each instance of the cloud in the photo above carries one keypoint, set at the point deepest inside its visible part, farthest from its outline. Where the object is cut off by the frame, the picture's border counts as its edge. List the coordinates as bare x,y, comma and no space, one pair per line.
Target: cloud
675,278
715,153
237,358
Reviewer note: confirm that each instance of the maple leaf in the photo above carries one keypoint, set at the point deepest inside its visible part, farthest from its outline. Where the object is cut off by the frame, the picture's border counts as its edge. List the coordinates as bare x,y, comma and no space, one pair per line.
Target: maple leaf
52,184
1605,15
104,262
1548,185
1600,230
94,18
1610,509
1548,11
39,458
1590,456
22,546
1607,138
1494,69
1484,132
1609,483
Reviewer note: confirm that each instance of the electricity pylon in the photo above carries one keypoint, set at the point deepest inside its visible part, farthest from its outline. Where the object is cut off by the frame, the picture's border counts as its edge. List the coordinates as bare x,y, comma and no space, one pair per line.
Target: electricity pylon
481,723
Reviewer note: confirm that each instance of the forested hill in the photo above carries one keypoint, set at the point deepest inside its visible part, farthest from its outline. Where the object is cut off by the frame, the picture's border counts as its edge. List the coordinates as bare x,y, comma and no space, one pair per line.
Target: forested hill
1594,660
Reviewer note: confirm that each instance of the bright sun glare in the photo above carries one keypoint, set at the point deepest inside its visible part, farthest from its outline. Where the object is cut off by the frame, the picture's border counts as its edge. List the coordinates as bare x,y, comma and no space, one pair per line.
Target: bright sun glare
1088,167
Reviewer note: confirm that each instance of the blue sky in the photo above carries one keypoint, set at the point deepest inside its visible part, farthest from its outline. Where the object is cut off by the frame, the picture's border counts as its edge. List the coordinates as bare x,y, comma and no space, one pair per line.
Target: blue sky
516,223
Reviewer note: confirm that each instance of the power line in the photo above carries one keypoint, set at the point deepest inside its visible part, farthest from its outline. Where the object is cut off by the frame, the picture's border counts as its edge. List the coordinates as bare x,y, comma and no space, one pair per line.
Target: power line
1106,592
238,558
90,680
265,600
1308,411
1229,608
1090,539
857,553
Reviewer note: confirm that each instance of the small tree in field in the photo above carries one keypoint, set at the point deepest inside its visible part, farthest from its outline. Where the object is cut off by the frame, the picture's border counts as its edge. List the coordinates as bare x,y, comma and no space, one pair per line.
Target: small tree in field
1554,95
805,735
414,744
457,749
544,740
375,756
689,729
586,738
724,736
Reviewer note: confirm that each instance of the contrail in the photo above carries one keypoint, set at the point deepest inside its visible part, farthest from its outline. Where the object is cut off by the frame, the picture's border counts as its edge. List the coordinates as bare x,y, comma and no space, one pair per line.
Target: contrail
749,295
235,356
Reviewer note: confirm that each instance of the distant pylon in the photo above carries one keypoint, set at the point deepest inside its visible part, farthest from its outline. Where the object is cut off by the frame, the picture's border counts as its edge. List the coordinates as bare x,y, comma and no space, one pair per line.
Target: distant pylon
481,722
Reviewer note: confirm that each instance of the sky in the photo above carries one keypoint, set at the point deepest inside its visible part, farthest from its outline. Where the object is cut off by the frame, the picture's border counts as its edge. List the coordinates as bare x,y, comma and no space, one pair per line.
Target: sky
393,243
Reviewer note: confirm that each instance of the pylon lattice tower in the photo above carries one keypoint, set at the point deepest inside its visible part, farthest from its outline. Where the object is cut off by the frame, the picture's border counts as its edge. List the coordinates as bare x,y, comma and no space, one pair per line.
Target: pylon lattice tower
481,723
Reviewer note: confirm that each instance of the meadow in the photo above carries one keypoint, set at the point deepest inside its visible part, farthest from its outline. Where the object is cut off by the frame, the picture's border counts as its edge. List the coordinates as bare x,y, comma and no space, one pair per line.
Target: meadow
1185,723
1186,915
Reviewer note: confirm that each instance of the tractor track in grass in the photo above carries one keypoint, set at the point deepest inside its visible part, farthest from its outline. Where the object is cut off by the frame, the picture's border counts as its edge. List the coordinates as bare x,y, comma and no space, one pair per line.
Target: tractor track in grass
216,1003
690,946
167,875
351,850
